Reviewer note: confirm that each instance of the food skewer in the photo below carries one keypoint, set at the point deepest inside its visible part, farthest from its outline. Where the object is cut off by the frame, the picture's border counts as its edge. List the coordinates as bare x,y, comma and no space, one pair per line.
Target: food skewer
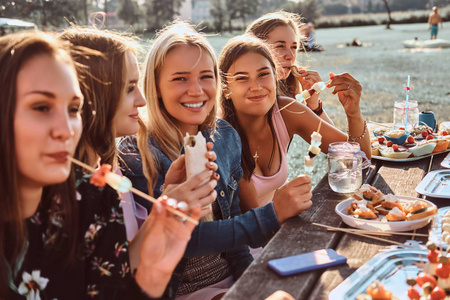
306,94
313,150
123,184
361,234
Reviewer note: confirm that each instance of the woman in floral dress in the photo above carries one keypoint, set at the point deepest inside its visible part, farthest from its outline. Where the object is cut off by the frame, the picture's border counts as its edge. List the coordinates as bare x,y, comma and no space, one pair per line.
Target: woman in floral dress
62,238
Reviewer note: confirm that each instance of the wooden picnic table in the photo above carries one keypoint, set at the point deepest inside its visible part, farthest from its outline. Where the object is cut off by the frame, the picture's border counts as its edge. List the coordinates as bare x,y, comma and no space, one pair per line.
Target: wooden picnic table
298,235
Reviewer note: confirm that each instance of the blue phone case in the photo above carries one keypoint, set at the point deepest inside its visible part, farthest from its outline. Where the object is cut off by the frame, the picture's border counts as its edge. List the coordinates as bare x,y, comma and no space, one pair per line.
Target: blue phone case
306,262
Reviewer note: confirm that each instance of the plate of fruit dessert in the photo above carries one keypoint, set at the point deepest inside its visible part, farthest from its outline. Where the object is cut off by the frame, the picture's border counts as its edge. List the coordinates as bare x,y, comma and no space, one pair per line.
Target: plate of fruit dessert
398,146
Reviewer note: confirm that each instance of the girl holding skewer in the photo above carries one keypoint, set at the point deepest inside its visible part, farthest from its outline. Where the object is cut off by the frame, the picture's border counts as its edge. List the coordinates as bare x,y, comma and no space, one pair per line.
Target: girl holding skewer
266,122
63,238
113,112
281,31
181,85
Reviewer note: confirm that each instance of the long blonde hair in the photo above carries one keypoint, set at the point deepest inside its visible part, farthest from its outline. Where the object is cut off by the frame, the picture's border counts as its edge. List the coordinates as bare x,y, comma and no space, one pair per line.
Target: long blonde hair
161,126
262,27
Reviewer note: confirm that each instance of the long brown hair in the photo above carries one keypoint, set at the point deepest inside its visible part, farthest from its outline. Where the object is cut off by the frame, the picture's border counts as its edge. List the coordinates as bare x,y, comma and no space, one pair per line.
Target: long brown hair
103,81
234,49
262,27
15,51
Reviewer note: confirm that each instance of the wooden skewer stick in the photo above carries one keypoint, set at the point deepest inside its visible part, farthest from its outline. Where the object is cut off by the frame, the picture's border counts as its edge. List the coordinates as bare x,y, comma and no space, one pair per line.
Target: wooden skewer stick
363,235
139,193
320,124
364,231
385,232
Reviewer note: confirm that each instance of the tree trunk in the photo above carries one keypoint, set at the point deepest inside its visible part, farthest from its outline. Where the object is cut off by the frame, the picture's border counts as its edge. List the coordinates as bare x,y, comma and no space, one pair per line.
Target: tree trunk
106,14
388,25
230,27
85,12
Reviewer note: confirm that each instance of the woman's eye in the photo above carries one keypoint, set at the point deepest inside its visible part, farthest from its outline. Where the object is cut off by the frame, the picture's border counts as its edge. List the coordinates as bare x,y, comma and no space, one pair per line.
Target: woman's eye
241,78
179,79
42,107
131,88
74,109
279,46
264,74
208,77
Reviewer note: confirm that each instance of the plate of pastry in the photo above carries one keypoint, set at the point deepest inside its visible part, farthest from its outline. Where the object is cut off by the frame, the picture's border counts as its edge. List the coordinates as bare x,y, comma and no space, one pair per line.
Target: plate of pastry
370,209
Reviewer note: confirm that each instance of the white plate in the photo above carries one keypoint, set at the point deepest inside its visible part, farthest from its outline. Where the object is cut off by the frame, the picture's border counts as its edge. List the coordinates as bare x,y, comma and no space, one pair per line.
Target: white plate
436,229
407,159
377,224
435,184
446,162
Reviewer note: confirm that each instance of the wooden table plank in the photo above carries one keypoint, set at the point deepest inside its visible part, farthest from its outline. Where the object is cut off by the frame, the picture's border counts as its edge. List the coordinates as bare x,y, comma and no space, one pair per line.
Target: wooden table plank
258,282
298,236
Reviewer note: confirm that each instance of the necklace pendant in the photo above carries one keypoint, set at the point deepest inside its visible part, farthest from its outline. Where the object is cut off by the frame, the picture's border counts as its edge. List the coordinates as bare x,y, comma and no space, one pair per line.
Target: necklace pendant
256,156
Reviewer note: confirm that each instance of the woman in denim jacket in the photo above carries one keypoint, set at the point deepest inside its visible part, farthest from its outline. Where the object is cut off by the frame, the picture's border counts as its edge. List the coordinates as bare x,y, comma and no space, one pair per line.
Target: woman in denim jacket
181,85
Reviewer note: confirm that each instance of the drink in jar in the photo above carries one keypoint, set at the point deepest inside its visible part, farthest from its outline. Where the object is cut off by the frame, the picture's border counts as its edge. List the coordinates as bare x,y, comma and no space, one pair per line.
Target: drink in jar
406,114
345,164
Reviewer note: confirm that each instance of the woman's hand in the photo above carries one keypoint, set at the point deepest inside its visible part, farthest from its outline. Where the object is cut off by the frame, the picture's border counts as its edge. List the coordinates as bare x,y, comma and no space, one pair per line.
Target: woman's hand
177,170
192,191
280,295
161,241
308,78
292,198
349,93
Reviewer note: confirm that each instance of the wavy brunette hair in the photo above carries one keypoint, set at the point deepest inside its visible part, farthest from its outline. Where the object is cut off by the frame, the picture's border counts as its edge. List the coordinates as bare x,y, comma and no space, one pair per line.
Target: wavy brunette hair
262,27
15,51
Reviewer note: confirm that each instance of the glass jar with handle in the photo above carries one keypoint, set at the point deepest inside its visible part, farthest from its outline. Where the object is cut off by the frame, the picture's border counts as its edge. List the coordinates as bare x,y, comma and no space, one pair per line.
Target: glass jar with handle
345,164
406,114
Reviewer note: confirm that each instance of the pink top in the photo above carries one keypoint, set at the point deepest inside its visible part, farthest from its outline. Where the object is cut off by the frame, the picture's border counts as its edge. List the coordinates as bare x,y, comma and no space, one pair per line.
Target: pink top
266,185
134,214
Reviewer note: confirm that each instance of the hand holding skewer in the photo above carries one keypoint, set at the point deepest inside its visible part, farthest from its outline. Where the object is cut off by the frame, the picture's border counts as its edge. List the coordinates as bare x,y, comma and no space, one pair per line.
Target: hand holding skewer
123,184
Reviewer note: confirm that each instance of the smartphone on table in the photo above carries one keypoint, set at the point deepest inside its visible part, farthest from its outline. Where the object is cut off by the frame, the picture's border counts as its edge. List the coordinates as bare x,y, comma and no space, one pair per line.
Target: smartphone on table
306,262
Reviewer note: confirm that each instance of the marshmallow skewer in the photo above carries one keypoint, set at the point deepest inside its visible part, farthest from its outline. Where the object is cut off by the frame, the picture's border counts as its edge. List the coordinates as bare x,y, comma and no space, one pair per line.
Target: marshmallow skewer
306,94
315,89
313,150
123,185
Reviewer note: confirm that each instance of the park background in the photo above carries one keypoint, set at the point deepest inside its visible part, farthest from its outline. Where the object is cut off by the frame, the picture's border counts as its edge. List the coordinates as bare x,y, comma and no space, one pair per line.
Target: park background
381,64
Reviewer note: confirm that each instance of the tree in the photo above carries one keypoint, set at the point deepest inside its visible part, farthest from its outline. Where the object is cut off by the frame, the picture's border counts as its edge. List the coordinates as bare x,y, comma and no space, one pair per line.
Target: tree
247,8
160,12
128,11
240,9
308,9
218,14
388,25
54,12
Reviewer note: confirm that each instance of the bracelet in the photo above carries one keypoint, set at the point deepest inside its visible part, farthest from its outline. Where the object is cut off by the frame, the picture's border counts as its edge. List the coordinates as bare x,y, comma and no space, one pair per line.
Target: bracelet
355,139
319,110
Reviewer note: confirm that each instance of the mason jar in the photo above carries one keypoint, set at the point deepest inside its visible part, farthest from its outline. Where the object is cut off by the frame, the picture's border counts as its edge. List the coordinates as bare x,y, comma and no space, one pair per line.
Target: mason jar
345,164
406,114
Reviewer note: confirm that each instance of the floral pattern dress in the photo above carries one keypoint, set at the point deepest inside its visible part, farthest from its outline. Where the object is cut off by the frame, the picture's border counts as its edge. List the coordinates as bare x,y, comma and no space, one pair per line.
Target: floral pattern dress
101,269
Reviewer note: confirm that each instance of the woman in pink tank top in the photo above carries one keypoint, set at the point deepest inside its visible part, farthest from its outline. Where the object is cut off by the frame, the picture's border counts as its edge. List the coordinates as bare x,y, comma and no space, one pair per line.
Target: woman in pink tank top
266,122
